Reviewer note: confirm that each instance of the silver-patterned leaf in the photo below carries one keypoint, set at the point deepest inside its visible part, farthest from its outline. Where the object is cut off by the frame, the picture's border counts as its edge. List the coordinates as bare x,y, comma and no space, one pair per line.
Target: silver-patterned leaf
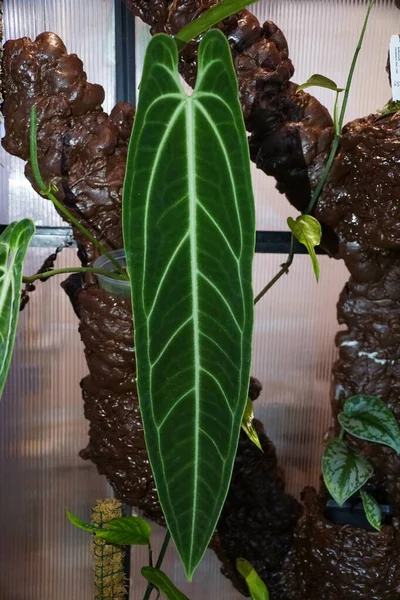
14,243
372,510
344,471
368,418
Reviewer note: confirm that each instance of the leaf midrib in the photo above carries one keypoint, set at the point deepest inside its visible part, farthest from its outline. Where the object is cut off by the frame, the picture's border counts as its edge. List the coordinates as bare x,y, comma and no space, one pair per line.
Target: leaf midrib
190,124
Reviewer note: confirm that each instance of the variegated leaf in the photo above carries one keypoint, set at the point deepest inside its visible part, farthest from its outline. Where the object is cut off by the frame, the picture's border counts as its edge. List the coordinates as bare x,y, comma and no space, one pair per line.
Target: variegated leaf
368,418
344,471
372,510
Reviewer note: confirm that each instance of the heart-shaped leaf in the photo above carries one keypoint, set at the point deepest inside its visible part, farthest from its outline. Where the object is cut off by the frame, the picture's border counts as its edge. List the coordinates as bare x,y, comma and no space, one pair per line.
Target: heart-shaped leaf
308,231
209,18
368,418
257,588
247,425
344,471
189,232
123,531
372,510
163,583
320,81
14,243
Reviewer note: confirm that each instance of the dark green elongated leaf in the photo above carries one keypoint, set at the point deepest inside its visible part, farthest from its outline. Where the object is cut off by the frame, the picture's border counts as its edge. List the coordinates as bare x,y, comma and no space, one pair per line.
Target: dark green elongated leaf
212,16
344,471
369,418
257,588
124,531
163,583
308,231
188,186
247,425
14,243
320,81
372,510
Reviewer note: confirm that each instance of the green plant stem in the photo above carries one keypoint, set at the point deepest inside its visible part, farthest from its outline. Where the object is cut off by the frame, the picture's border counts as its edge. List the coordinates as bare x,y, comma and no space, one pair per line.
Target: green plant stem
339,124
159,562
284,269
341,434
46,191
33,278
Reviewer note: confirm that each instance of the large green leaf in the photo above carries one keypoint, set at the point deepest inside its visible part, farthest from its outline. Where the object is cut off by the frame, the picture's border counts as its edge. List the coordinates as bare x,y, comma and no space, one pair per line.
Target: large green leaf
189,229
344,471
14,243
368,418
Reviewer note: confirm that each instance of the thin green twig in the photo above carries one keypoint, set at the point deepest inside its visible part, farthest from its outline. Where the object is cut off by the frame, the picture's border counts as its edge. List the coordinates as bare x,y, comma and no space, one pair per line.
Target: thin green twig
159,562
335,145
47,191
284,269
338,128
33,278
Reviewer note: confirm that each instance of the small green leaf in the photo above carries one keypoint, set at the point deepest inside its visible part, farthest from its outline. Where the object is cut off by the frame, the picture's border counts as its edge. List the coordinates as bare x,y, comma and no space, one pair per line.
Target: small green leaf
124,531
247,425
344,471
163,583
14,243
372,510
77,522
320,81
257,588
308,231
211,17
368,418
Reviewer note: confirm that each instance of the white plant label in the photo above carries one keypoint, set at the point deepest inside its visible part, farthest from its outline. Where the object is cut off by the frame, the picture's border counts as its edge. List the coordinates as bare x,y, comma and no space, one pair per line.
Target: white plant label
395,66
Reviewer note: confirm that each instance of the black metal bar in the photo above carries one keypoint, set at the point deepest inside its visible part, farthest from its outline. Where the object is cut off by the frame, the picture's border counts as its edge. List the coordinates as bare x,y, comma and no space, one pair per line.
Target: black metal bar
124,53
278,242
267,242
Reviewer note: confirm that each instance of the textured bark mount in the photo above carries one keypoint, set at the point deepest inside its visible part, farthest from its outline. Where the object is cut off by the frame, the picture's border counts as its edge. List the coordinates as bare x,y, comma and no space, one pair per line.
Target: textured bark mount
361,203
81,149
290,133
346,563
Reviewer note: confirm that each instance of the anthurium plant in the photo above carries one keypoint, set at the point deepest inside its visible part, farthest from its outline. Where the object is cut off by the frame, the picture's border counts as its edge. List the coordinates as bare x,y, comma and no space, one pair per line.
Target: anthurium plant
189,237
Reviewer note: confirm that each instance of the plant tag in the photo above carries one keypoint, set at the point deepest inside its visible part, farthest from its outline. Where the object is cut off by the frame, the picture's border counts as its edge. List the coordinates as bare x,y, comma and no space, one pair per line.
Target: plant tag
395,66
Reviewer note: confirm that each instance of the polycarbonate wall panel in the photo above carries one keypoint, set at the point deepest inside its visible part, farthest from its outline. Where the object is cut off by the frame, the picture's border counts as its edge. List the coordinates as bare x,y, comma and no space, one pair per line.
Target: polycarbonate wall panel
87,29
42,429
293,352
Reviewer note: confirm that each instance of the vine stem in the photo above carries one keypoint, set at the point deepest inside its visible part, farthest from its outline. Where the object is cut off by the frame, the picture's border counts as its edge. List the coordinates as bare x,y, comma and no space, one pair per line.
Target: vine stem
32,278
338,125
159,562
47,191
284,269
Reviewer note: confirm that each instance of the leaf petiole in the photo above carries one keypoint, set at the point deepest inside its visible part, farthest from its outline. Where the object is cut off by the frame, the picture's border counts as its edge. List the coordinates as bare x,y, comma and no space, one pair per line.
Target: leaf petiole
32,278
48,192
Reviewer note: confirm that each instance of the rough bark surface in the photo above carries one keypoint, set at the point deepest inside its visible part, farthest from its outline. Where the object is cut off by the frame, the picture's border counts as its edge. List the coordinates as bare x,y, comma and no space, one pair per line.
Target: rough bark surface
83,151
